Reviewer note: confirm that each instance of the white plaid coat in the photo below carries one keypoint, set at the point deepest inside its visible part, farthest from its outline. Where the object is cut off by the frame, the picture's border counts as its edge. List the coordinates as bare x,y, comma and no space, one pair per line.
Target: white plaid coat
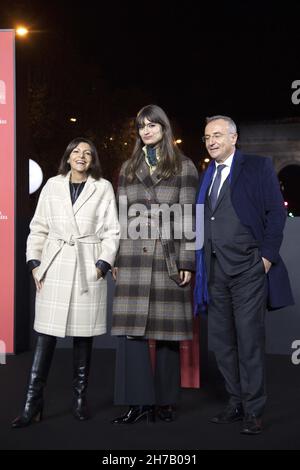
69,240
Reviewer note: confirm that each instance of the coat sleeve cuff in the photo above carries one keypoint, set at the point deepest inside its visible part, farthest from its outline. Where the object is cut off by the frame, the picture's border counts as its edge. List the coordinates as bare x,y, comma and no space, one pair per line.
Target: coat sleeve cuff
103,266
270,255
33,263
186,266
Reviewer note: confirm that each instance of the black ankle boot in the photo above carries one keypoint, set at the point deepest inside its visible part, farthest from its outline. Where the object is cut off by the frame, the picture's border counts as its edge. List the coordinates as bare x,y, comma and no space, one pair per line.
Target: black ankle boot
33,409
82,352
135,414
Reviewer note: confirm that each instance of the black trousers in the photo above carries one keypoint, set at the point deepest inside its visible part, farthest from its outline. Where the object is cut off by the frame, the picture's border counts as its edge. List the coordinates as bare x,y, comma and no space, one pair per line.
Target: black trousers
236,333
135,381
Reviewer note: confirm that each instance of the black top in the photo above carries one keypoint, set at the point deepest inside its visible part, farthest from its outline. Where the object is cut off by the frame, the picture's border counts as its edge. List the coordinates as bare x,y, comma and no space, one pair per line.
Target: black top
75,190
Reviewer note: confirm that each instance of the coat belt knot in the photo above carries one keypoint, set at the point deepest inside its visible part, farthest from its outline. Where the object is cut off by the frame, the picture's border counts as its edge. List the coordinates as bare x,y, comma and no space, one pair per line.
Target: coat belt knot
76,241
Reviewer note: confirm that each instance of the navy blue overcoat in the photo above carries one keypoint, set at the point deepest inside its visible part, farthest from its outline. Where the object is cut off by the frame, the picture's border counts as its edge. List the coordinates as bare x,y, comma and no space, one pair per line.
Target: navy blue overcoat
258,202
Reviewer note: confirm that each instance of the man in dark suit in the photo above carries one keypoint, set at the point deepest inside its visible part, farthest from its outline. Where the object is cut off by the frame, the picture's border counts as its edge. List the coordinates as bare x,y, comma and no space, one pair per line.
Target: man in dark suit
244,217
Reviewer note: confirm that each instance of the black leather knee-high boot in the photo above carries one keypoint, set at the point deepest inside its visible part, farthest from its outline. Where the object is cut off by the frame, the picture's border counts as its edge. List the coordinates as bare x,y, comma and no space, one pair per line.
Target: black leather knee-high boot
82,351
42,359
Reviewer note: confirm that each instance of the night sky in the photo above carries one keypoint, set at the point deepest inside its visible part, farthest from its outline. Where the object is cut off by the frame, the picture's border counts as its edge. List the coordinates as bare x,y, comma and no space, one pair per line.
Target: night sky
192,59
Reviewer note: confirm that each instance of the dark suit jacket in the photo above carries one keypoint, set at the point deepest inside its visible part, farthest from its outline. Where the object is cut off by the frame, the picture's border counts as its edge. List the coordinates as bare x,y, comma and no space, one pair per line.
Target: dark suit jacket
258,202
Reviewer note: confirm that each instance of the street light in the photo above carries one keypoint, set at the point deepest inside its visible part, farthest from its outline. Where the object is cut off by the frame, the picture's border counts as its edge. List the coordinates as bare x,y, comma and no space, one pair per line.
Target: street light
22,31
178,141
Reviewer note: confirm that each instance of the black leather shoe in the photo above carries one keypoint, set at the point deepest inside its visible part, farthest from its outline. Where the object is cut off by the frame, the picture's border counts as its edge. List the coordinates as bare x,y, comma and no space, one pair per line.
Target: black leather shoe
229,415
135,414
166,413
252,425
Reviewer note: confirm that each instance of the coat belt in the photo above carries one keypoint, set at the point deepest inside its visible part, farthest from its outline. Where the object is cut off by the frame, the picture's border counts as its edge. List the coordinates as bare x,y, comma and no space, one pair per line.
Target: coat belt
77,241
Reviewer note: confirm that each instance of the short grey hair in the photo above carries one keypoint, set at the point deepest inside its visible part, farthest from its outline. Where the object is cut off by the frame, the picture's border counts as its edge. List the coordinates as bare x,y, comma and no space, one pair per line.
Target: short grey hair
232,124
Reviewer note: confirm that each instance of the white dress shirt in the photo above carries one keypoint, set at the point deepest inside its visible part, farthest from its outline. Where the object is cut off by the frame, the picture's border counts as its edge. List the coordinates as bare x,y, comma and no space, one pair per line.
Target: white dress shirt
225,172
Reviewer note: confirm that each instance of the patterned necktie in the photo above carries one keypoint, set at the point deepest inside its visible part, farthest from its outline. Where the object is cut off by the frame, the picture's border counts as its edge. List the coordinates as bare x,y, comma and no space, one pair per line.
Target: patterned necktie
215,187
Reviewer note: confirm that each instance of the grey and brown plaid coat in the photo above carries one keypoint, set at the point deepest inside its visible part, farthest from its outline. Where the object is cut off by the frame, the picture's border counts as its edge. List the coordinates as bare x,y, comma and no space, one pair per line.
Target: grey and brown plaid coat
147,301
69,240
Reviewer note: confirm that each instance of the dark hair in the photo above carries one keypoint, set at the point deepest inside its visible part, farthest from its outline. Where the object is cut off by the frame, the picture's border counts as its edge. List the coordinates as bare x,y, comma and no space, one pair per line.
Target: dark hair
95,169
170,156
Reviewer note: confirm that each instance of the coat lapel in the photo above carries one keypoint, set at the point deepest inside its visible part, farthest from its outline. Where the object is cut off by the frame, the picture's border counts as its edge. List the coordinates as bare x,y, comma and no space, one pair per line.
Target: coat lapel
155,177
67,200
88,190
143,174
222,192
238,162
237,165
71,210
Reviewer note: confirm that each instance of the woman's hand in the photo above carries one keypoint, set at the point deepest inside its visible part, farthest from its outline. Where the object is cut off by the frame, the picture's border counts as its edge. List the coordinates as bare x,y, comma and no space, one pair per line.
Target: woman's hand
114,272
99,273
185,277
38,284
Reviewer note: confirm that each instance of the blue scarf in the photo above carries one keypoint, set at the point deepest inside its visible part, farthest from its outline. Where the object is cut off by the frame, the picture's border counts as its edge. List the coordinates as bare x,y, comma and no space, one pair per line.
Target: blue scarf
151,155
201,297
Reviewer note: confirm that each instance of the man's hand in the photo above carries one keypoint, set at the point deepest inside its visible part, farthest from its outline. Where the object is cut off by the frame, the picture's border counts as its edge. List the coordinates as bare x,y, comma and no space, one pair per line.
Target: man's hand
267,264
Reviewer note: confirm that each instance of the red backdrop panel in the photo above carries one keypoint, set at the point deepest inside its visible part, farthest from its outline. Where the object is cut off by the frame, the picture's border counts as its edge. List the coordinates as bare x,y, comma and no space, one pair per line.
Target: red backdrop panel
7,159
189,358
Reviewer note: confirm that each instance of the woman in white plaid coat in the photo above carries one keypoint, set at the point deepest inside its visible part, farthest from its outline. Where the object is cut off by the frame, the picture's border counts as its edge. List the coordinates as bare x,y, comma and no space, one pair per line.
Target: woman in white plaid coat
73,240
153,295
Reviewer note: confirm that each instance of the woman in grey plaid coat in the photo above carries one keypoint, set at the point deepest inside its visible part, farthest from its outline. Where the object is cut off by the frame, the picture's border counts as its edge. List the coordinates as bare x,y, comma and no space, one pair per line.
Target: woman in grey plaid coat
74,236
156,194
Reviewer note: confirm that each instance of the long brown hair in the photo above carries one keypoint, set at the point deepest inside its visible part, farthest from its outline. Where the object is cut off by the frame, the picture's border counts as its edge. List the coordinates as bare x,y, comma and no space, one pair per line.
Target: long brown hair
169,155
94,170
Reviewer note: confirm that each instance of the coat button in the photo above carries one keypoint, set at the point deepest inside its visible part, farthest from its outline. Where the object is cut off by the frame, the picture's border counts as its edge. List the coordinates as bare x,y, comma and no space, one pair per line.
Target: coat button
212,218
145,249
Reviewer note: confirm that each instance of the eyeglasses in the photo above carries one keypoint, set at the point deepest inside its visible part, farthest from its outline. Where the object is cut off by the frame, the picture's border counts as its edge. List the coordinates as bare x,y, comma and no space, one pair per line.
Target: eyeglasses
216,136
